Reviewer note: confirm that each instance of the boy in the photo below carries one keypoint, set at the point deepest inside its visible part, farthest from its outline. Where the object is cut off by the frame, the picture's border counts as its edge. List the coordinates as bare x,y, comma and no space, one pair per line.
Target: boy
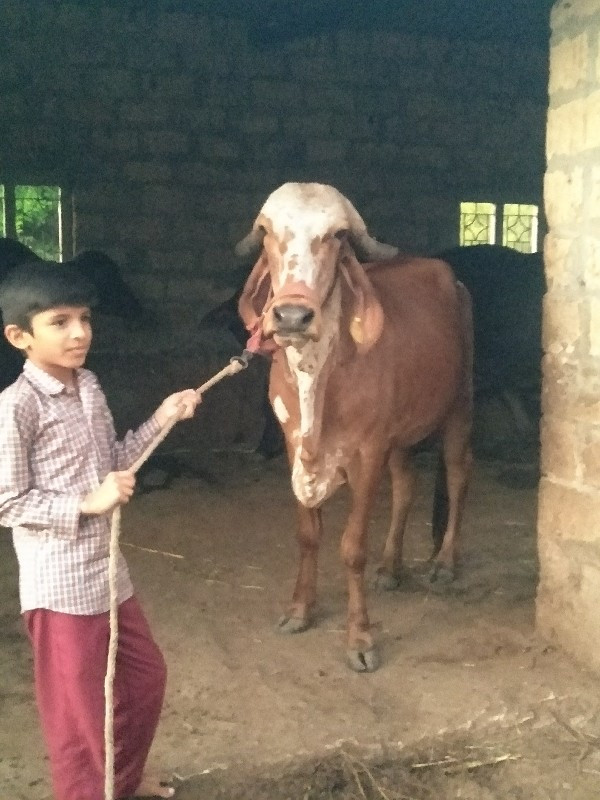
61,474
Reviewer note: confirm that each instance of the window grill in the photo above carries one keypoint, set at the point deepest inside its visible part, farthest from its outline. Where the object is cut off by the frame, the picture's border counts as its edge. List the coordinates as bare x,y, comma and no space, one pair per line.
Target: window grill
477,223
516,226
520,227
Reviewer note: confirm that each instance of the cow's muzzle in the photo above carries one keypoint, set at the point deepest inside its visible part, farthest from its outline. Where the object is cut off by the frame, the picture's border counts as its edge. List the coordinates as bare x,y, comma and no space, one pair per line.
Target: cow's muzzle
291,318
293,315
294,323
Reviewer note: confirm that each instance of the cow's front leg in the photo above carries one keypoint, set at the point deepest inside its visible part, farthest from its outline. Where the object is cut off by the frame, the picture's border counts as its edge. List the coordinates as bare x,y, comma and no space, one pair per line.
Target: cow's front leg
363,479
298,616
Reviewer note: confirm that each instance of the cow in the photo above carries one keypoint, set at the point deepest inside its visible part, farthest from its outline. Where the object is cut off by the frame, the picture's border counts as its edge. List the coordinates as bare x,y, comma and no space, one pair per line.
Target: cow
225,317
367,362
113,294
507,288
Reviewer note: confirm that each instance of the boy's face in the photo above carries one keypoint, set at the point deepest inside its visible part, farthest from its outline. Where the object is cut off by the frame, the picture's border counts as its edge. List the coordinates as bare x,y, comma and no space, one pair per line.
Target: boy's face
59,341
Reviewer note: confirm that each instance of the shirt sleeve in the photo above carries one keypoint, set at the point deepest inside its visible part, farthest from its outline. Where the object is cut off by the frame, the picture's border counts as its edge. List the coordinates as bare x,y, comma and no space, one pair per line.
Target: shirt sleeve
126,451
133,444
21,504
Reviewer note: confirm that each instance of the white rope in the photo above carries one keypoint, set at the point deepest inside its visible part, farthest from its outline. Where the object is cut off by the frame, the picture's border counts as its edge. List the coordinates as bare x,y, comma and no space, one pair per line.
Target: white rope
234,366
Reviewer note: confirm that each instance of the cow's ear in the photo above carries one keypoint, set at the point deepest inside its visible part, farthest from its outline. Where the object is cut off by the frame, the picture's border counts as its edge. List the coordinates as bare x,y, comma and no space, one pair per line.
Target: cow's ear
366,314
255,293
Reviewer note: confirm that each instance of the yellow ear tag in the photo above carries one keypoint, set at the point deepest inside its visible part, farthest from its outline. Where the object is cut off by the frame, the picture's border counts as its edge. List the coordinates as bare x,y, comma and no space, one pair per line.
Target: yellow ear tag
356,330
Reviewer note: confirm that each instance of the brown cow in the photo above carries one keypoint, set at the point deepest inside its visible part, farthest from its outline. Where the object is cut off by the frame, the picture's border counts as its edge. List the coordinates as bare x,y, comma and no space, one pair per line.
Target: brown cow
368,361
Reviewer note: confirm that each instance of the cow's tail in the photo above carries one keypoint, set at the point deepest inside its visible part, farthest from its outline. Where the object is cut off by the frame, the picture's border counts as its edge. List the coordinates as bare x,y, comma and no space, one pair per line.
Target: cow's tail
439,519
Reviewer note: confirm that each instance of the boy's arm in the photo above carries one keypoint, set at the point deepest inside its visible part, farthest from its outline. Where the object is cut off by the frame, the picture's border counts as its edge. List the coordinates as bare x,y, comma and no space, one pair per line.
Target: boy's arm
133,444
20,503
131,447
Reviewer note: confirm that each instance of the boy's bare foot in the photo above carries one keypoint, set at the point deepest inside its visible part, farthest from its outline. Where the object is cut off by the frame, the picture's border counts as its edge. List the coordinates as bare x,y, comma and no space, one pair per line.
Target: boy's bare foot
151,786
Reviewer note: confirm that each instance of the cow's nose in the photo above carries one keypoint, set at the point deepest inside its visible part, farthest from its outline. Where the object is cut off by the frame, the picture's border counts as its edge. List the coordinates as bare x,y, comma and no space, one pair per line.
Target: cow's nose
293,318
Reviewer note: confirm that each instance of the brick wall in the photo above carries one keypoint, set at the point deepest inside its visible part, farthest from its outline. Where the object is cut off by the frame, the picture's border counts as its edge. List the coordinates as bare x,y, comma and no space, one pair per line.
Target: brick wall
171,129
569,511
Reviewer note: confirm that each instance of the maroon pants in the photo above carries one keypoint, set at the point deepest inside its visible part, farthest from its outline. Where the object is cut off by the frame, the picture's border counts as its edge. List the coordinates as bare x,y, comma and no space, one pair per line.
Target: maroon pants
70,656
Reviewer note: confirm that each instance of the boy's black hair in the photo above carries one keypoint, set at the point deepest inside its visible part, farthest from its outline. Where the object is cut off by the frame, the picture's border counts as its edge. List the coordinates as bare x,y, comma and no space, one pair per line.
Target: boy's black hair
31,288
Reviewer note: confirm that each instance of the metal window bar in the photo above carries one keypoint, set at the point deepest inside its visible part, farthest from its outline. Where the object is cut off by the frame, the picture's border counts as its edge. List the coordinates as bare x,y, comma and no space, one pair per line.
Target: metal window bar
67,224
10,228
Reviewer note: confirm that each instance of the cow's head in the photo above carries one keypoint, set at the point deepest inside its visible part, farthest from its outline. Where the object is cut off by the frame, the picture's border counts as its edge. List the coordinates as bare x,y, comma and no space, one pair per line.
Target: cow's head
308,237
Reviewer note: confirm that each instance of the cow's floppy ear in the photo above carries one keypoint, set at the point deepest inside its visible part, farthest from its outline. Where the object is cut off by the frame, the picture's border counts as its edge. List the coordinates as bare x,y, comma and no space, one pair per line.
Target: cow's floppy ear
255,293
366,315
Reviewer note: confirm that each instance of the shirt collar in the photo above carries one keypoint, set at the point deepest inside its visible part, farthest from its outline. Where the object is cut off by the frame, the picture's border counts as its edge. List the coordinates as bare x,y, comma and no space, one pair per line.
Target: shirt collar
48,384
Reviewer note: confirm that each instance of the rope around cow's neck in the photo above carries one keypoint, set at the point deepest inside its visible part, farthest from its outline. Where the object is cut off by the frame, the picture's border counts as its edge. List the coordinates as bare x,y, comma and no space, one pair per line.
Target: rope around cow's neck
235,365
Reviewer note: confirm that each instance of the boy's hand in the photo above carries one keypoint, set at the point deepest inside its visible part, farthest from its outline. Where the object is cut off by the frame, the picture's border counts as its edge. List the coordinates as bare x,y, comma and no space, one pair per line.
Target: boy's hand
115,489
182,403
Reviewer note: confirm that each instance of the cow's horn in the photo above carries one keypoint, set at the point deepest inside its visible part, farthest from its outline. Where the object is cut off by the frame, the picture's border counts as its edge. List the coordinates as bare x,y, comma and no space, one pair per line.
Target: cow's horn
370,249
250,244
366,247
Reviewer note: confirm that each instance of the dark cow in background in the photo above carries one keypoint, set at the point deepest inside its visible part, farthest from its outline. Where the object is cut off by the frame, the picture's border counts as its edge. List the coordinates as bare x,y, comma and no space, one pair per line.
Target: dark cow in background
225,317
114,296
506,287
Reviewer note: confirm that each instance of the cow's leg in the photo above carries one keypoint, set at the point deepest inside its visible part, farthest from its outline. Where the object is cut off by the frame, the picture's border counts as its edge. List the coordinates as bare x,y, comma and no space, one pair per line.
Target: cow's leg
298,616
456,452
515,405
363,480
403,478
439,519
457,457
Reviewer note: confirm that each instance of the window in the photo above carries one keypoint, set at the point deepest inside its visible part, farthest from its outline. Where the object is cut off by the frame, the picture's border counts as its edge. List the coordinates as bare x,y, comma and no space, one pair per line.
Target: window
477,223
516,226
35,216
520,227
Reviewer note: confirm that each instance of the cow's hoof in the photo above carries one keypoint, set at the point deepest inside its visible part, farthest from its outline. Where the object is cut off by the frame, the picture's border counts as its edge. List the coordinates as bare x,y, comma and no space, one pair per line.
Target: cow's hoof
441,574
363,660
292,624
384,582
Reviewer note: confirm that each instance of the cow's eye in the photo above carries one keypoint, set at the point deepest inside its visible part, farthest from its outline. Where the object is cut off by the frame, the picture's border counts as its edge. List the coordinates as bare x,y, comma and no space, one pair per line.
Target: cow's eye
341,235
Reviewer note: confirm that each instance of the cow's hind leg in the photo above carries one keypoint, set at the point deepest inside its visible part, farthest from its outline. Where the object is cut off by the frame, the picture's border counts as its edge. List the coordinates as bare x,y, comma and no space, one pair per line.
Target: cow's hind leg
389,572
457,458
298,616
439,519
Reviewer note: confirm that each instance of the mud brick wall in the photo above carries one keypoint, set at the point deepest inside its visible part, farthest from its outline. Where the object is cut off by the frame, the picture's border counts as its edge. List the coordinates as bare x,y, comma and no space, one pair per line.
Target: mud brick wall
171,129
569,511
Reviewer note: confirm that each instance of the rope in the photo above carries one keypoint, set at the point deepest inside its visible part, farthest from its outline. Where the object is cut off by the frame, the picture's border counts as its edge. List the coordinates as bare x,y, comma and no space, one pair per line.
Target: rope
236,364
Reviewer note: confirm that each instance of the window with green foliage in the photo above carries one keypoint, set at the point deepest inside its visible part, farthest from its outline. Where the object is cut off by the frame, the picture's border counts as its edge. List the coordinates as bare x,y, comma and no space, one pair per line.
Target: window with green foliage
516,227
32,214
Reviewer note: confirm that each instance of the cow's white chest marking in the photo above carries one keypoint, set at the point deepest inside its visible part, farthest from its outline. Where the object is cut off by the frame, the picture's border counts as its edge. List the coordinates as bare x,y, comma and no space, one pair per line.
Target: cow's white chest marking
313,486
314,479
280,410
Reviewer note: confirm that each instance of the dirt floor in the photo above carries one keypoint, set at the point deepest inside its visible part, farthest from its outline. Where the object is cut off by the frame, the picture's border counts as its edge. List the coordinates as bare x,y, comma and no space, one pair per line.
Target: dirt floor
468,702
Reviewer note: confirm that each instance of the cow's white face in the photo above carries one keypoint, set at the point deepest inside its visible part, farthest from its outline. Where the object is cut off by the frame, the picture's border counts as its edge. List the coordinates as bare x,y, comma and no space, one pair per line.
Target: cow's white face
303,222
304,227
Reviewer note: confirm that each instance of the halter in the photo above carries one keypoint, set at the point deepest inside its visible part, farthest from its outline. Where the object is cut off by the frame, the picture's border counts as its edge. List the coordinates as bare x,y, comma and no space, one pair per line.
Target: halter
292,292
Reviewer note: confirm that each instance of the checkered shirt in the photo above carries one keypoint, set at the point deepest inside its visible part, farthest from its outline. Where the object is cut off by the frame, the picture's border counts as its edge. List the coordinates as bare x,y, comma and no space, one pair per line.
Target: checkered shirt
56,445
